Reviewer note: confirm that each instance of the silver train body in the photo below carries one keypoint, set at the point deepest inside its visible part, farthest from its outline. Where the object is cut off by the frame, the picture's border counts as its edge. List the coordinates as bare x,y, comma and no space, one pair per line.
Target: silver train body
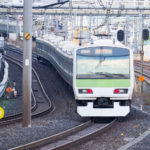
1,44
11,28
63,62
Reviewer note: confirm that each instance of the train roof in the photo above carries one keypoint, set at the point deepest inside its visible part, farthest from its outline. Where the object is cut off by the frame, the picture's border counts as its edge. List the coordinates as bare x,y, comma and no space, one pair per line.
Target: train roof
67,47
105,42
1,38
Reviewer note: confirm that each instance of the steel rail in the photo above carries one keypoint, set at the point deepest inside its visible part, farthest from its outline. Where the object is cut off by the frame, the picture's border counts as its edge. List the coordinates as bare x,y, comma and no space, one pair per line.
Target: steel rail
19,51
147,80
69,138
51,104
17,117
138,73
139,64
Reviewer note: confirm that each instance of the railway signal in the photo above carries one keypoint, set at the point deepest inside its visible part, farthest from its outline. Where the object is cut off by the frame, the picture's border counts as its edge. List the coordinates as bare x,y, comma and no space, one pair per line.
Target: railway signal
145,34
120,35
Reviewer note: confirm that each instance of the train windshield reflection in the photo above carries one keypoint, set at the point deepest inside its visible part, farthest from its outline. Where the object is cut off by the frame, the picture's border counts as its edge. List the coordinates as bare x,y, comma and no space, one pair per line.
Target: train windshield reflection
103,66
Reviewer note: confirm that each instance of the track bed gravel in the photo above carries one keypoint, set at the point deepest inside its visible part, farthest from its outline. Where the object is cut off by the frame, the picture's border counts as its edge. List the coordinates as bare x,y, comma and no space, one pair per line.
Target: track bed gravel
132,127
13,105
142,101
128,129
63,118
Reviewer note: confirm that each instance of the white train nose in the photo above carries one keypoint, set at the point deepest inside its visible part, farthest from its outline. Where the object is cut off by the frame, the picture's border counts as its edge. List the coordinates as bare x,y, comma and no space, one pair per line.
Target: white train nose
89,111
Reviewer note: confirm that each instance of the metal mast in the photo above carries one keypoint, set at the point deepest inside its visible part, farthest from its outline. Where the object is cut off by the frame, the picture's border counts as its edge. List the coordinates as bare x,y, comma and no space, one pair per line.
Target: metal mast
27,63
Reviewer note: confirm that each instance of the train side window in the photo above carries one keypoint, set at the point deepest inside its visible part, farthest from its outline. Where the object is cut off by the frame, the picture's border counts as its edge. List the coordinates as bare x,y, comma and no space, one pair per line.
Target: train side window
37,45
40,47
46,48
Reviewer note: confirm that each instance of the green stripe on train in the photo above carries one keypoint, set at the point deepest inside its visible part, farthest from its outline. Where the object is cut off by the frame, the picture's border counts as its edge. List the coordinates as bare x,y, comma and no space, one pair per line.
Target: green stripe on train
103,83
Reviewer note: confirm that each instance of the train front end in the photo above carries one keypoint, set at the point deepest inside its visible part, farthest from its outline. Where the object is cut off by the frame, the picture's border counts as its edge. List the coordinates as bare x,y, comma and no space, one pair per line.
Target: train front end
103,79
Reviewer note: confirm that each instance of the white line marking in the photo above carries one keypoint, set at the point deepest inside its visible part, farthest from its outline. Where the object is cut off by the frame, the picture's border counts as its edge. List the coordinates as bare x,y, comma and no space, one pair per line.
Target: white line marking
135,107
140,138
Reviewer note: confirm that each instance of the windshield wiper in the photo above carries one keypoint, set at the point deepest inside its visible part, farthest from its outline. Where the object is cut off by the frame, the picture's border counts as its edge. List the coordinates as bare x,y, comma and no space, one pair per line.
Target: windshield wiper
111,74
120,75
104,73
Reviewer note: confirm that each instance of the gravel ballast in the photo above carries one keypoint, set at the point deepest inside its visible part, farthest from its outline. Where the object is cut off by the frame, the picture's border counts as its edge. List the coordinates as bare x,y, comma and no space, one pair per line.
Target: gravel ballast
64,117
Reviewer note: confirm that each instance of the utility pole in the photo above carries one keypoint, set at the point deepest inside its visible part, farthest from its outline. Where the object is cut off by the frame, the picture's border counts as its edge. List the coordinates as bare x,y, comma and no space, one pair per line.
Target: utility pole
90,29
71,20
66,27
135,43
7,27
57,28
81,30
27,63
127,31
141,51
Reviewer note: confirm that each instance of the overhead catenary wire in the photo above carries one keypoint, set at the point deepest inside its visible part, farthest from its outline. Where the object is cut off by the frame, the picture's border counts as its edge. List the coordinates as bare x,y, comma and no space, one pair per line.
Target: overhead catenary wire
108,12
38,7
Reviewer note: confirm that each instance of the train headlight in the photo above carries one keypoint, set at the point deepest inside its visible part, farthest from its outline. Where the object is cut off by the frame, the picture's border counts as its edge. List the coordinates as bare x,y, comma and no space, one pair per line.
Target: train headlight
85,91
120,91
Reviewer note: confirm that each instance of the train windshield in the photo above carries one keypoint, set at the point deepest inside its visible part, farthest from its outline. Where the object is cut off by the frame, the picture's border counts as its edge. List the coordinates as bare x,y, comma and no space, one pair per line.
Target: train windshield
103,63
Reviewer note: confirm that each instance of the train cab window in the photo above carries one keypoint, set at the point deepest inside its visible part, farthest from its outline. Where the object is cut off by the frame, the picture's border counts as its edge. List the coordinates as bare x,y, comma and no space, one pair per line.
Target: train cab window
103,62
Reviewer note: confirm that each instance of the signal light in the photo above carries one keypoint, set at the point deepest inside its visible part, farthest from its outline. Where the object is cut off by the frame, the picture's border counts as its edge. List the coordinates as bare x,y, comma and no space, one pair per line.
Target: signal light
85,91
89,91
145,34
120,35
120,91
116,91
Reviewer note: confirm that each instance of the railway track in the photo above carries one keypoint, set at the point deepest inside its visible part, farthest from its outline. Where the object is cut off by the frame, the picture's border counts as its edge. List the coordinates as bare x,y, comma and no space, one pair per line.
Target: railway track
147,80
68,138
145,64
37,109
17,50
138,73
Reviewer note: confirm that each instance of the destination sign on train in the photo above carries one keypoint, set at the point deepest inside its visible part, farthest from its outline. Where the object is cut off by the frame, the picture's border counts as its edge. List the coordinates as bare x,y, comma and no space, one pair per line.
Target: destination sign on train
85,51
103,51
95,51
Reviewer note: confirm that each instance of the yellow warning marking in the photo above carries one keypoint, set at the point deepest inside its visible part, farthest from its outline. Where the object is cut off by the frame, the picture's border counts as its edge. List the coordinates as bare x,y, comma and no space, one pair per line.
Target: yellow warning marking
27,36
1,112
141,79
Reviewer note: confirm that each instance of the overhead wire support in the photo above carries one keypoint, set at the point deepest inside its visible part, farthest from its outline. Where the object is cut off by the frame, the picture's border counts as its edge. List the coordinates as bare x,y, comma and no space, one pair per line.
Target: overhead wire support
37,7
108,12
27,64
142,46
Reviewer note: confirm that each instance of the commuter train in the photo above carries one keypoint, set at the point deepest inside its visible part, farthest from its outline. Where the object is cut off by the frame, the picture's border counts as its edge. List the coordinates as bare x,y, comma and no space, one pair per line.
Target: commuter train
11,28
101,74
2,45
